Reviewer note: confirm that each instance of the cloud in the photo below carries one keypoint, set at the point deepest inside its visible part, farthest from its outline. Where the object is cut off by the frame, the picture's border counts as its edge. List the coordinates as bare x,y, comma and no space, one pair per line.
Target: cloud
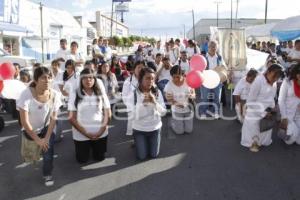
81,3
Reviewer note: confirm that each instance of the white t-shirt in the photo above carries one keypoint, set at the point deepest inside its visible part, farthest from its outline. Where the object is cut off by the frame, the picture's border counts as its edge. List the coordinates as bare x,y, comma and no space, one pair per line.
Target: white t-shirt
110,87
156,51
191,51
164,74
147,117
57,80
37,111
89,113
242,89
76,57
174,55
184,65
62,54
180,95
213,61
72,83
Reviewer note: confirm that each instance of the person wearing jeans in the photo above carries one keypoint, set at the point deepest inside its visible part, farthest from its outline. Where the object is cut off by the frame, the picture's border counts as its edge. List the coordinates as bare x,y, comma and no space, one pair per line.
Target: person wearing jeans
147,108
38,106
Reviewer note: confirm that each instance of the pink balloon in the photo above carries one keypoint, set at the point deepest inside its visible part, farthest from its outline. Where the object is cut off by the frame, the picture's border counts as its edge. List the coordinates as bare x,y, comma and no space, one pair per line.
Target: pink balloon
198,63
194,79
7,71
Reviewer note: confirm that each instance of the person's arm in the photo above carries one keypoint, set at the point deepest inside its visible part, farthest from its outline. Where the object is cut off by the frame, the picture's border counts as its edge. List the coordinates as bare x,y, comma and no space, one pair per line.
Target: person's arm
104,125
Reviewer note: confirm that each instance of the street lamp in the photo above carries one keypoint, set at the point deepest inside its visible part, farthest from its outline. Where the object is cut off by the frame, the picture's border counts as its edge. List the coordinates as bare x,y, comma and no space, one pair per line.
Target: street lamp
266,11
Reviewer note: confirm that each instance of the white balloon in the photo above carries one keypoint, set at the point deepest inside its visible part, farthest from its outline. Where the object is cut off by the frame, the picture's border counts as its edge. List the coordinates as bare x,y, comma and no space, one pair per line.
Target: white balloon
211,79
12,89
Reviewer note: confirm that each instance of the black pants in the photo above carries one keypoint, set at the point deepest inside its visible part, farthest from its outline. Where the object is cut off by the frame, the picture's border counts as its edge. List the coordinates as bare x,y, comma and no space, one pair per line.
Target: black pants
98,147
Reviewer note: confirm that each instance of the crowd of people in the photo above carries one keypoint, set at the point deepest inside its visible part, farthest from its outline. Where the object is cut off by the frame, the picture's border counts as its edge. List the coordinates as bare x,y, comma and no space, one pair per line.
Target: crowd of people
150,84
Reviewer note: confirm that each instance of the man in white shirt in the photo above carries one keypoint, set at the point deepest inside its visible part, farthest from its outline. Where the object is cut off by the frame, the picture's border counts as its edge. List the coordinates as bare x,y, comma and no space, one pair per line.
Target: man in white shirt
61,54
213,60
75,55
181,46
158,49
158,61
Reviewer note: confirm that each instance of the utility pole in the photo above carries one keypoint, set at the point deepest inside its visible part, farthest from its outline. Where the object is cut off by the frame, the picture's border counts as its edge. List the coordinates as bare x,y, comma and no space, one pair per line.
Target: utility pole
194,32
266,11
218,2
42,30
236,12
111,18
231,15
183,31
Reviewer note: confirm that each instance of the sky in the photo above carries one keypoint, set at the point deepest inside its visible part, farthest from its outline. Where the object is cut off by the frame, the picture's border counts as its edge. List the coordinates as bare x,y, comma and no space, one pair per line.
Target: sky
166,18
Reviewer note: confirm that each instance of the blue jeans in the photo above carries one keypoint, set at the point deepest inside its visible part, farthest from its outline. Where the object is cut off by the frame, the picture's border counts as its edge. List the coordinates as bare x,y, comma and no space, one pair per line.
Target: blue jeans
48,157
147,143
162,84
206,95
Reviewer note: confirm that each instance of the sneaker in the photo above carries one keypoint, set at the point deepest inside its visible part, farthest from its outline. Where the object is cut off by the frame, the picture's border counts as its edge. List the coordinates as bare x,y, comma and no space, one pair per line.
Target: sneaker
254,148
203,117
216,116
48,181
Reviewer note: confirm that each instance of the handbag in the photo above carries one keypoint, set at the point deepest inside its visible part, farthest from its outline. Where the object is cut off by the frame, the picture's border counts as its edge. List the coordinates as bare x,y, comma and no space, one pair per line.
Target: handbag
268,123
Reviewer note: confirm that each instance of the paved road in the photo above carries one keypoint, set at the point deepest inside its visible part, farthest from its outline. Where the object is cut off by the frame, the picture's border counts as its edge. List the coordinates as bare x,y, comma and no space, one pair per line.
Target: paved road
207,164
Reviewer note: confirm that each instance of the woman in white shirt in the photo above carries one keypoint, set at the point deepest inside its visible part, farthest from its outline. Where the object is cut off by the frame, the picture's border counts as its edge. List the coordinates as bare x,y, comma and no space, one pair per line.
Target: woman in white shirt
241,92
148,106
260,100
38,106
70,78
178,93
163,74
89,115
110,83
130,84
289,105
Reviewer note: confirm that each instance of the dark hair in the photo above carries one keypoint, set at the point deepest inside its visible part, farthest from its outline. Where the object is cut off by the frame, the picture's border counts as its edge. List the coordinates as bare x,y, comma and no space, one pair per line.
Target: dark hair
25,72
38,72
74,43
277,68
16,65
63,41
177,40
176,70
293,71
36,65
54,62
73,64
151,65
139,62
165,59
144,71
96,88
100,67
297,41
252,73
158,54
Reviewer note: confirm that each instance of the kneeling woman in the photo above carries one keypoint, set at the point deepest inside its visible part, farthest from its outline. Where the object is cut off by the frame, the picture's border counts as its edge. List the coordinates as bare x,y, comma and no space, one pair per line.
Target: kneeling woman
148,107
289,105
89,115
259,101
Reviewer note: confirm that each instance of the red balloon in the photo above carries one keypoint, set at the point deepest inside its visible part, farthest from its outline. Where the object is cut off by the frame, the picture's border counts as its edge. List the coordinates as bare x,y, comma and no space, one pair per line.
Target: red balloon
7,71
194,79
198,63
1,85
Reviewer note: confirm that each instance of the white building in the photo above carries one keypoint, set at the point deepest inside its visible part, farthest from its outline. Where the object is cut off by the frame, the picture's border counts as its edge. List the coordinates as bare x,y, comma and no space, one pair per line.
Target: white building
26,34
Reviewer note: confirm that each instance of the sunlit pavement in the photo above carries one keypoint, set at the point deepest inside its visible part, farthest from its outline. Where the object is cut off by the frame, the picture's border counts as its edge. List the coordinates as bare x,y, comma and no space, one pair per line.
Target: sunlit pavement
207,164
